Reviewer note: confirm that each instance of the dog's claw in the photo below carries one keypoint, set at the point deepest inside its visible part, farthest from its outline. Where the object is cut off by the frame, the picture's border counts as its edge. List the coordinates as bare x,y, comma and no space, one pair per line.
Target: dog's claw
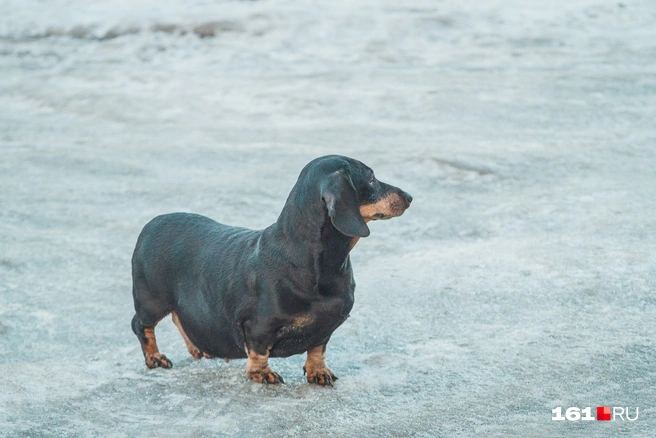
322,377
266,377
158,360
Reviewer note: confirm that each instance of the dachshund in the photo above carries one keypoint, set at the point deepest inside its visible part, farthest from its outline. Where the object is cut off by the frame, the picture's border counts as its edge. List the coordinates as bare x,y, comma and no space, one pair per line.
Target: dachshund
240,293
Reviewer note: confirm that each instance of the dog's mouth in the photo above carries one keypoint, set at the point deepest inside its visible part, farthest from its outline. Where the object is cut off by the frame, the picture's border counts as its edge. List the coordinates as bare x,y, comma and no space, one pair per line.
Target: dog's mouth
387,208
379,216
383,216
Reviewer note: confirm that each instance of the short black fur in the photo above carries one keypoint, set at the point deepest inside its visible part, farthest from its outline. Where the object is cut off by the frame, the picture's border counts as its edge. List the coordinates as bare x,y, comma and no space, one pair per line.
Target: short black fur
234,288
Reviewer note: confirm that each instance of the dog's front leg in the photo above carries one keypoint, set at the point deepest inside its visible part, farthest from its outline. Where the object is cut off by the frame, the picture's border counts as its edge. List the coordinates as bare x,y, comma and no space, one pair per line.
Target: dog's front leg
316,369
257,368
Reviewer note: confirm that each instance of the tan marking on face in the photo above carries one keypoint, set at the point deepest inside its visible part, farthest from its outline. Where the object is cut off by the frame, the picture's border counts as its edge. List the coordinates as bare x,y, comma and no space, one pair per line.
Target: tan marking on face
391,206
193,350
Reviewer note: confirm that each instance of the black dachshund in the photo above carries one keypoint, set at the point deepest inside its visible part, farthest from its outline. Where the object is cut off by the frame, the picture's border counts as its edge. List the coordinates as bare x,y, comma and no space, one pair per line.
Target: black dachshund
240,293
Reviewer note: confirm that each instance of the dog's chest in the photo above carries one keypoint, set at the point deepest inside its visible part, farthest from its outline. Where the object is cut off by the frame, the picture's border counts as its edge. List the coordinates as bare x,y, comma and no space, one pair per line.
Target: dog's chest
306,330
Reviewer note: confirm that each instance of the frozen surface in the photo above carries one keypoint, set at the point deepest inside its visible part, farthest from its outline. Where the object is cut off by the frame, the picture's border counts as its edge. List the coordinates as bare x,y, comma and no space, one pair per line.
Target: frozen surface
522,278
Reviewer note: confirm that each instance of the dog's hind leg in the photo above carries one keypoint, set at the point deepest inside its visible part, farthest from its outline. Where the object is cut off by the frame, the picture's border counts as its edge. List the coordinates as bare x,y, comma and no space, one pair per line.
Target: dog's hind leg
151,353
150,307
193,350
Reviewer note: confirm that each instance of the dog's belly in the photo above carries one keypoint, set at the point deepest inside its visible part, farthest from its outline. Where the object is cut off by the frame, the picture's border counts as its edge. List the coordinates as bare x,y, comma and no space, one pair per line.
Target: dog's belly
216,339
299,340
219,344
212,335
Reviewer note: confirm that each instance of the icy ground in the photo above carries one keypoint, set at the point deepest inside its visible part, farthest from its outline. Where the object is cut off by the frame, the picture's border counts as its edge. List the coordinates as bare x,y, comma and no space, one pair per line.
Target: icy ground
521,279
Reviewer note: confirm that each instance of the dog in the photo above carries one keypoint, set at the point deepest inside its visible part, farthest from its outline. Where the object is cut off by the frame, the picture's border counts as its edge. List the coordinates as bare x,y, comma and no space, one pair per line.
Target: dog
240,293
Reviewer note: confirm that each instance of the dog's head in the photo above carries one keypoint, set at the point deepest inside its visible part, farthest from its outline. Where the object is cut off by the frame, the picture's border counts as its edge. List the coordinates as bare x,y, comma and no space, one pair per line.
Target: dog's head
353,196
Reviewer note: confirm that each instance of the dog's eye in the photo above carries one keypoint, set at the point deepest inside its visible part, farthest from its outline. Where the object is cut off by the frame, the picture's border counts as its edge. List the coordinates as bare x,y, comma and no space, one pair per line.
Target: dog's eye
372,181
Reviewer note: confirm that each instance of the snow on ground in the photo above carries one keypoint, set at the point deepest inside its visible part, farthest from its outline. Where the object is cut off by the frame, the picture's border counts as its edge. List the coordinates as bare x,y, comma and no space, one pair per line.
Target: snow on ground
521,279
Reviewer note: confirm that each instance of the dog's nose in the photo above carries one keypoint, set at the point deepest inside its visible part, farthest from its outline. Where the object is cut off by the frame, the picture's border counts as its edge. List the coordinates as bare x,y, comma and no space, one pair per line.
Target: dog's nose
408,197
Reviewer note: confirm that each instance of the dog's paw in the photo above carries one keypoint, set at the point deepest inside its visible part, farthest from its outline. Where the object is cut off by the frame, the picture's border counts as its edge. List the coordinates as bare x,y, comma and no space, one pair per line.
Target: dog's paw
265,376
321,376
158,360
195,352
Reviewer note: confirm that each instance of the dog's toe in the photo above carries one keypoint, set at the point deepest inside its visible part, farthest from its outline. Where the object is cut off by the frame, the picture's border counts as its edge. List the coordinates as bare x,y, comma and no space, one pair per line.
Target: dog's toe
196,353
322,376
158,360
266,376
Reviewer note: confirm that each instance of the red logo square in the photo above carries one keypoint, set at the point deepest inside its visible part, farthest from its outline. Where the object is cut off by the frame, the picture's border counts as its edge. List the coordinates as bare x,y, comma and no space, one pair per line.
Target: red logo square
603,413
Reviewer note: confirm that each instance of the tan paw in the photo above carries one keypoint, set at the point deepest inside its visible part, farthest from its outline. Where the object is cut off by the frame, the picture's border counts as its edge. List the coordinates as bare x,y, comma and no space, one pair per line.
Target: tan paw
320,375
265,376
158,360
195,352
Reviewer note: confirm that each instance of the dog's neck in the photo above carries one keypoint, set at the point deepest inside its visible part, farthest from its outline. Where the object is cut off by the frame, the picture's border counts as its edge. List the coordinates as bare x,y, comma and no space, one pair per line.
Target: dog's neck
310,239
335,249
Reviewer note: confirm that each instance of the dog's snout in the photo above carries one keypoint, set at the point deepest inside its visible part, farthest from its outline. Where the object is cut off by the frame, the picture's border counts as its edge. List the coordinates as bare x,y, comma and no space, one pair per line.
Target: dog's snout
404,197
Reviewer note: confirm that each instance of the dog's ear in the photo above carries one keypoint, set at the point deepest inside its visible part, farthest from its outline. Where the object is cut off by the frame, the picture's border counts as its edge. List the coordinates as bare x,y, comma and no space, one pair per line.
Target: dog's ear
339,194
